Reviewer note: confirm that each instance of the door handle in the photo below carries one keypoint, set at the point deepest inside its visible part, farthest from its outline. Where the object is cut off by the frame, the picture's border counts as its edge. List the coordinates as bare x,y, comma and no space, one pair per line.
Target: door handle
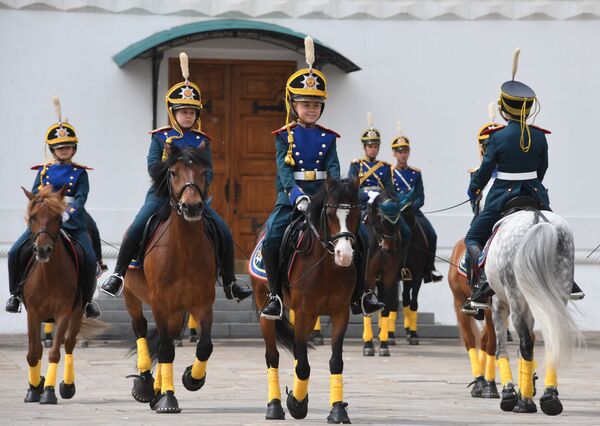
227,190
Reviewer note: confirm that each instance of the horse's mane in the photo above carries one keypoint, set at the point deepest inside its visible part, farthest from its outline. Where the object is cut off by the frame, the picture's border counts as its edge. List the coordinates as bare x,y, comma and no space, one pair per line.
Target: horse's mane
343,191
188,155
48,197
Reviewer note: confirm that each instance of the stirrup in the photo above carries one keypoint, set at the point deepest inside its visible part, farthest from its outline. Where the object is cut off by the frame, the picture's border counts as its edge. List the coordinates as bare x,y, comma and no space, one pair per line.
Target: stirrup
243,285
406,274
273,317
362,303
121,287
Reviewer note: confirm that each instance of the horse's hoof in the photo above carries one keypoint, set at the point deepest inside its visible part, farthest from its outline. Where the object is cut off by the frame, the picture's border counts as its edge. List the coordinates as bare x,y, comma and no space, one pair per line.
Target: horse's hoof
407,334
413,340
525,405
189,382
490,390
178,343
35,392
49,396
275,410
167,404
298,409
193,338
157,396
47,343
338,414
84,344
509,399
317,338
383,349
550,403
368,348
66,390
391,339
143,387
477,384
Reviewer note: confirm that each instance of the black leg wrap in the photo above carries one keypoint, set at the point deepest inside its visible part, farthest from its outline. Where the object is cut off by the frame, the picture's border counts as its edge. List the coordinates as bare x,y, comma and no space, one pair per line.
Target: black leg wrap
35,392
509,399
275,410
550,403
413,338
490,390
49,396
338,414
298,409
189,382
167,404
477,387
66,390
143,387
368,349
383,349
391,338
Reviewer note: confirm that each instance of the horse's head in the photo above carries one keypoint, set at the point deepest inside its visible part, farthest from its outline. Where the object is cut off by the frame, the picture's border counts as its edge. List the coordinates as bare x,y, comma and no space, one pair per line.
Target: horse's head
44,216
337,208
183,178
385,215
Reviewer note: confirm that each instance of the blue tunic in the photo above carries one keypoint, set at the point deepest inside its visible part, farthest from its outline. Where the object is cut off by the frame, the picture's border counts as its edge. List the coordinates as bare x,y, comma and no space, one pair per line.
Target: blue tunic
373,176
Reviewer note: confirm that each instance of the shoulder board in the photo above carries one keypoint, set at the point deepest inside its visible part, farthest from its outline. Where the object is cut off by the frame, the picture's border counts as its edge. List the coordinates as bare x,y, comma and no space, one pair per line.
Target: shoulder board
385,163
540,129
283,129
82,166
202,133
356,161
492,130
328,130
473,170
414,169
160,129
39,166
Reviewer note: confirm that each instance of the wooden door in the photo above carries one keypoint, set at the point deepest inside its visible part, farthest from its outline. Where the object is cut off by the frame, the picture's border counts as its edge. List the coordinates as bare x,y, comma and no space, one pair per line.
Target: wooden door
243,103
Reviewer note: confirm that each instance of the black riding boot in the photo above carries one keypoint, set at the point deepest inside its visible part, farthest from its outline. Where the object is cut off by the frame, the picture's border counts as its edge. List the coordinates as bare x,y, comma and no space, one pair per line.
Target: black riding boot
13,304
432,274
274,307
405,274
364,301
114,283
234,289
480,289
92,310
576,292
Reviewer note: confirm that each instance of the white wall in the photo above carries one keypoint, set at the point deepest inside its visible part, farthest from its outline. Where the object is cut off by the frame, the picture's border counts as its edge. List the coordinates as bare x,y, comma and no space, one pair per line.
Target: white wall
437,77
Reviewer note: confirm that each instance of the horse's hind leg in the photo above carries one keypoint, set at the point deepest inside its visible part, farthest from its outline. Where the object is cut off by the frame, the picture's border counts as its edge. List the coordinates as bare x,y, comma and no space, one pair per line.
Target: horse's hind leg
509,396
297,400
413,337
48,326
466,325
339,323
194,375
34,359
166,355
488,349
143,383
523,322
67,386
393,307
387,298
549,402
49,395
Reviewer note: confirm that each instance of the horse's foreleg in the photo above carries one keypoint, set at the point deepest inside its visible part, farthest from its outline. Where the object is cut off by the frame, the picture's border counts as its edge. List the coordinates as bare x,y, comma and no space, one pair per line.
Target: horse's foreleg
339,323
194,376
523,322
500,315
297,400
406,306
414,307
166,355
34,359
393,308
49,395
367,336
67,387
487,348
466,324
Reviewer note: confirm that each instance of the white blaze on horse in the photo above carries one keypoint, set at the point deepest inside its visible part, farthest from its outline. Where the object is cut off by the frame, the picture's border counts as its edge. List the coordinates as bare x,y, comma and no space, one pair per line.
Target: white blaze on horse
530,266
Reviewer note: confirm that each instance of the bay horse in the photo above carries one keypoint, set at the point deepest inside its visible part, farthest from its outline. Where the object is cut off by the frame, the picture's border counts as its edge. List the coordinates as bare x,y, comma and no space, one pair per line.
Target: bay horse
385,260
530,266
321,282
50,292
481,347
178,276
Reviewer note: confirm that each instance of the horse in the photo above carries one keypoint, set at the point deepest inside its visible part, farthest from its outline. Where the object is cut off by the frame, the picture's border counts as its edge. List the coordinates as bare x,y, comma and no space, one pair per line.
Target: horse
320,282
483,363
530,266
50,293
178,276
385,259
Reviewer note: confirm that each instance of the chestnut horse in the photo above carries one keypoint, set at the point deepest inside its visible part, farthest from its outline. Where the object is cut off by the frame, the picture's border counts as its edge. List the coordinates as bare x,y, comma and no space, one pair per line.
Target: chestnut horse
321,282
178,276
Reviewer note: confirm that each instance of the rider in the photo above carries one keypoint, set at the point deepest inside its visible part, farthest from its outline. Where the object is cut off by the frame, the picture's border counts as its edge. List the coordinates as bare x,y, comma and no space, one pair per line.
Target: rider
184,105
306,156
409,180
92,230
519,152
62,172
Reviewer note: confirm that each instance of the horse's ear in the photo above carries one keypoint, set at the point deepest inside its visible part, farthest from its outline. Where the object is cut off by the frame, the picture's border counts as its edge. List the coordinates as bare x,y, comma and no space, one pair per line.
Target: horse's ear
354,180
328,183
28,194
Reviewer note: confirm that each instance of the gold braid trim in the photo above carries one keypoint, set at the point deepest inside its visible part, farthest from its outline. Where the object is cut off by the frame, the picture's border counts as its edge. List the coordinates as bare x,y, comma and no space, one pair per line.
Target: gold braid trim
289,158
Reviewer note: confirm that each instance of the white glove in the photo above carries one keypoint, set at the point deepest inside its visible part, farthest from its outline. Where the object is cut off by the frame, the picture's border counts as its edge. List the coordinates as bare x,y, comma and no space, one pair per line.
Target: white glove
302,203
65,216
372,195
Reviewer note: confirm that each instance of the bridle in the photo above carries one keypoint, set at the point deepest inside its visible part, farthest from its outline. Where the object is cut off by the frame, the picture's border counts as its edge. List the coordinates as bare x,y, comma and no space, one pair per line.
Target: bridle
53,235
174,200
328,241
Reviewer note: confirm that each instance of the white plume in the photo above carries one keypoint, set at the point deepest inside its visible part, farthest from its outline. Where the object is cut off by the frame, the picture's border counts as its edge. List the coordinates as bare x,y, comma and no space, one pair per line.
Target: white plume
309,51
515,63
370,120
492,111
56,103
185,68
399,127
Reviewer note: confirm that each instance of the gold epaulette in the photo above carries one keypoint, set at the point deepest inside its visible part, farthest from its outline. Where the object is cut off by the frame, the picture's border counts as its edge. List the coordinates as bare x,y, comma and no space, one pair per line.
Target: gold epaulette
547,132
200,132
160,129
337,135
416,169
473,170
284,128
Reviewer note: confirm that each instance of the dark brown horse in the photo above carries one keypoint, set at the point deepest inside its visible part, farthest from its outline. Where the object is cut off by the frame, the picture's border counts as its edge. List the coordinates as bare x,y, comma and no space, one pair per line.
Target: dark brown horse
179,276
483,363
320,283
50,293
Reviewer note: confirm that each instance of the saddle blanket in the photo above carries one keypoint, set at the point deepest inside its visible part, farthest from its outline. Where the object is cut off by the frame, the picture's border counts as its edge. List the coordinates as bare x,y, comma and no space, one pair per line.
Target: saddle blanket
462,266
256,265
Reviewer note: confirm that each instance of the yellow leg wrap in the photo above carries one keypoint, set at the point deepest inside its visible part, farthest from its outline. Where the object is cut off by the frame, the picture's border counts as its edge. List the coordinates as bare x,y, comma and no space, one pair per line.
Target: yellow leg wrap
392,322
199,369
292,317
192,322
318,324
490,368
166,371
476,368
413,321
336,389
367,329
406,315
158,378
36,371
48,326
526,387
482,358
505,373
274,388
551,379
69,373
519,373
300,388
143,355
51,375
383,331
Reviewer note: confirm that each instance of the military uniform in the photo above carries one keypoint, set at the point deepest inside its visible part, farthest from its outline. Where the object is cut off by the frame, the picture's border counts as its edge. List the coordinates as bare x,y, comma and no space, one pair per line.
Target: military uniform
73,177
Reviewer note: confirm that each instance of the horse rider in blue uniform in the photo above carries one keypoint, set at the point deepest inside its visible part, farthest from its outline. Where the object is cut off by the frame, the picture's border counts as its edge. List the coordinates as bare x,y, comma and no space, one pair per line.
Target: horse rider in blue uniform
519,154
62,172
184,105
306,155
408,180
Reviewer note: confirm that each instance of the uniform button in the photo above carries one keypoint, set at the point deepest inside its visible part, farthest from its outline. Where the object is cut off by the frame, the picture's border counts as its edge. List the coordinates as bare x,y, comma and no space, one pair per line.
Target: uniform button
297,154
316,170
324,146
293,145
197,137
320,153
322,134
70,183
301,162
165,133
70,177
291,132
318,161
411,180
74,168
302,169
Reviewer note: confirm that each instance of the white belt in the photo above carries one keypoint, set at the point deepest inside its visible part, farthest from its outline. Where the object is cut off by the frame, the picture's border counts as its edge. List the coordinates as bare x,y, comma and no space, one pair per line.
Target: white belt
310,175
517,176
371,188
68,200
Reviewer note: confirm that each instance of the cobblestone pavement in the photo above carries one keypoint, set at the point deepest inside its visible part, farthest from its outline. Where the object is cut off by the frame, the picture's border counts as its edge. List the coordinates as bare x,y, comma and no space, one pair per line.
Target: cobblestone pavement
417,385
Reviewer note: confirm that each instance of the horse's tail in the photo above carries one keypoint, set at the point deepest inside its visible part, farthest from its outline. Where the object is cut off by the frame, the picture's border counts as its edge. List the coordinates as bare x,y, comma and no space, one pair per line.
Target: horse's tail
284,331
91,328
537,275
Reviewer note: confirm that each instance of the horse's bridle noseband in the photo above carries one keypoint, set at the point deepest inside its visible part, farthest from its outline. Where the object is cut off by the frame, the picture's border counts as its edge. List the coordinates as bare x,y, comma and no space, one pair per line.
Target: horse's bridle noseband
53,235
176,204
328,242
